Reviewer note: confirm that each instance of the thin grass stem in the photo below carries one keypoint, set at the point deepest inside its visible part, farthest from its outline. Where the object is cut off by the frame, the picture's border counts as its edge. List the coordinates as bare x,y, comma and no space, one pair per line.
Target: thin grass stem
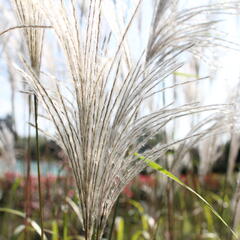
28,172
38,165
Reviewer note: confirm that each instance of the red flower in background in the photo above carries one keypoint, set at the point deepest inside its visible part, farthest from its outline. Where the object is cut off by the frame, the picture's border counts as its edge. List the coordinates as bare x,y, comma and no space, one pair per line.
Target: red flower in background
148,180
128,191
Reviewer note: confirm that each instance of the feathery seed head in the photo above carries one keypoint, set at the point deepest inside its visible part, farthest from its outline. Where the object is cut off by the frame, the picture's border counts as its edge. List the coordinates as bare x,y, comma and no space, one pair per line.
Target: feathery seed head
99,123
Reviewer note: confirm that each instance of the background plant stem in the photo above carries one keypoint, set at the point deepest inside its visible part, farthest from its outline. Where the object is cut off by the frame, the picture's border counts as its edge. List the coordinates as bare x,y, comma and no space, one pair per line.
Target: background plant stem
38,164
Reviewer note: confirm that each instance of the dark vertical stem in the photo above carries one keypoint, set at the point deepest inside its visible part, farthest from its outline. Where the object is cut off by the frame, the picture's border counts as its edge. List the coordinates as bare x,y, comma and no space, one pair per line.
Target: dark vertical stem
28,171
225,185
114,218
38,164
86,229
170,210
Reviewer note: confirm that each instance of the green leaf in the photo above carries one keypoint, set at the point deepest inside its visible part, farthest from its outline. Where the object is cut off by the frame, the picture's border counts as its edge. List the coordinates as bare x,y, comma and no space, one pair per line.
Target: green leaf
55,234
120,228
76,209
12,211
137,235
165,172
34,225
186,75
208,216
65,226
144,217
137,205
16,185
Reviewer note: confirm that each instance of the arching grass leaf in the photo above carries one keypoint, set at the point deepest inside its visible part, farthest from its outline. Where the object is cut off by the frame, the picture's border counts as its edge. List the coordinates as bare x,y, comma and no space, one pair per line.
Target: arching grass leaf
165,172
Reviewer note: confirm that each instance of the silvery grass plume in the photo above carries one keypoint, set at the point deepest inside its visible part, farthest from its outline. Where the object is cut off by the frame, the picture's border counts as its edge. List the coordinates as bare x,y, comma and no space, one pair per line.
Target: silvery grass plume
27,15
97,111
201,146
211,148
205,136
234,135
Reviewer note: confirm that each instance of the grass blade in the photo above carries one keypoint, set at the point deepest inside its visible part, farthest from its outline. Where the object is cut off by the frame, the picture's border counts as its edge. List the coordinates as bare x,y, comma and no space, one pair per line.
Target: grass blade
165,172
34,224
120,229
38,165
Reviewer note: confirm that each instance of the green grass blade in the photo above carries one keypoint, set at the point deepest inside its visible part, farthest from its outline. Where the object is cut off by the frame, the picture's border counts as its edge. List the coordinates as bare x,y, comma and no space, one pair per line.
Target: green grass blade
55,235
76,209
120,229
12,211
137,235
141,212
65,226
209,219
165,172
137,205
34,225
